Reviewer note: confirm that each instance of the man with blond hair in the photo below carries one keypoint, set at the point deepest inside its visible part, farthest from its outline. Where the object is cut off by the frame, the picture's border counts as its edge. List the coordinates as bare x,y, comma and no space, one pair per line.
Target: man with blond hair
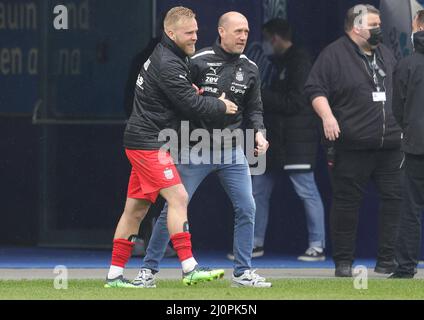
163,94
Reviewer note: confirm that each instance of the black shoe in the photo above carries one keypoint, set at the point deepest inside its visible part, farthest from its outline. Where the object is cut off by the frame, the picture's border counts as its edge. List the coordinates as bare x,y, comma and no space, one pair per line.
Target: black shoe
343,269
385,267
401,275
312,254
258,252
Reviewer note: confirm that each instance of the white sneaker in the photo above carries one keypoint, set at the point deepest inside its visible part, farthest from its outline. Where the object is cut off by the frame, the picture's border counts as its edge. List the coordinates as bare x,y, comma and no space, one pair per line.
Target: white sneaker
145,279
250,279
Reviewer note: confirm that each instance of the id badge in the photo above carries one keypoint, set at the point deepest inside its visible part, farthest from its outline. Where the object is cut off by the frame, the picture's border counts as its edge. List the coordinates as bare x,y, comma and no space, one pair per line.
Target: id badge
379,96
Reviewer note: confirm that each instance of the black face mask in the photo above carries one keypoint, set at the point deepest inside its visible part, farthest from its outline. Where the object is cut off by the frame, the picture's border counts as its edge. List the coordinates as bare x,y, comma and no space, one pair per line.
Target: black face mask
376,36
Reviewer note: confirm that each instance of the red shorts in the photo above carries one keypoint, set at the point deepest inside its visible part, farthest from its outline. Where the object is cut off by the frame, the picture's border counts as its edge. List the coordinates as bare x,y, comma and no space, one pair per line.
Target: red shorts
152,170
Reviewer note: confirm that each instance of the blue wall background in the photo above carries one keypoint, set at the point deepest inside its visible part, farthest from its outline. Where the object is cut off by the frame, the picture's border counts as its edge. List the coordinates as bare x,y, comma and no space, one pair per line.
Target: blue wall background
81,169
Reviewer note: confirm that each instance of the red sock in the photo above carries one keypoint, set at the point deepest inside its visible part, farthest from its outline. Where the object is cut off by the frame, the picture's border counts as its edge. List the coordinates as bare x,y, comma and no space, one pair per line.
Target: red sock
121,252
182,244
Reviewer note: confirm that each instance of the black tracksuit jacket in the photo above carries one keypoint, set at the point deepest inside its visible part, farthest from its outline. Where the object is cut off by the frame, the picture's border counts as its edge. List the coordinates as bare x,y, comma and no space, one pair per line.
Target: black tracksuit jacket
408,97
216,71
164,96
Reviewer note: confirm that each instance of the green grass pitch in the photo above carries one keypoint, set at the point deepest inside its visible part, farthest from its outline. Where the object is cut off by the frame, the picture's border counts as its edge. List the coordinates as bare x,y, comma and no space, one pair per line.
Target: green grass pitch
309,289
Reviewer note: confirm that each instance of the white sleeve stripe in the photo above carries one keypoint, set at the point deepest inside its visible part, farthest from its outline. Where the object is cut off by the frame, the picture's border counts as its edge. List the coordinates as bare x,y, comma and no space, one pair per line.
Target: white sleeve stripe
244,57
297,167
203,53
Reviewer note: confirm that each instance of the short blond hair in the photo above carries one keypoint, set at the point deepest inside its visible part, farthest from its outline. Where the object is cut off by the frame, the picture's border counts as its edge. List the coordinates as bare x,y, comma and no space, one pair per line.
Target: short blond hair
420,18
175,15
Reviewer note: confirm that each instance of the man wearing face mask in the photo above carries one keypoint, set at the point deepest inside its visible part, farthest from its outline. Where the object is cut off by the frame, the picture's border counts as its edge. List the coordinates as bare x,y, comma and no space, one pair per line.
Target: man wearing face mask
408,109
350,87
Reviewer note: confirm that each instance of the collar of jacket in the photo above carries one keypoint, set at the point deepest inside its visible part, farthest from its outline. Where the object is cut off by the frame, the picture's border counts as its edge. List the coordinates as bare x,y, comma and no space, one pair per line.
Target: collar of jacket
222,53
419,41
171,45
361,53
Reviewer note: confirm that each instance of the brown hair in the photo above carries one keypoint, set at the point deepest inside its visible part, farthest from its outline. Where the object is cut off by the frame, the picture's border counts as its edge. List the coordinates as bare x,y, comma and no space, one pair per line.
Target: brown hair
355,12
175,15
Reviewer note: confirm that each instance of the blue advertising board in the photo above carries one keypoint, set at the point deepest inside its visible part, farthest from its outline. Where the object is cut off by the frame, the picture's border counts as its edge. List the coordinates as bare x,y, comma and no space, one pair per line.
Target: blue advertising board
78,72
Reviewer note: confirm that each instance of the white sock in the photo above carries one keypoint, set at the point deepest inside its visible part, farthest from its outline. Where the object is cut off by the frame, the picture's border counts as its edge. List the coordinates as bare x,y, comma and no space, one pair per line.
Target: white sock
188,264
115,272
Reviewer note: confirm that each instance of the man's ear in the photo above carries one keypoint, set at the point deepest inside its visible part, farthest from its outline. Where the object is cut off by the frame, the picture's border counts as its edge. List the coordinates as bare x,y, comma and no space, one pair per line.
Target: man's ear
221,31
356,30
170,34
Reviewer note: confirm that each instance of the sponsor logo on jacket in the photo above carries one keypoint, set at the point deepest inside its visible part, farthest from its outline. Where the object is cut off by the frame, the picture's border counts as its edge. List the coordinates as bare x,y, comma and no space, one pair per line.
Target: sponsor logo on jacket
238,88
239,75
211,80
140,82
210,89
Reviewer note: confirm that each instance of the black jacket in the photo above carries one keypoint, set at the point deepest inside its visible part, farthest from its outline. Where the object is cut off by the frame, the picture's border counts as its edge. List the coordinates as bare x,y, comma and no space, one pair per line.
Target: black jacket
163,96
408,97
289,119
342,74
216,71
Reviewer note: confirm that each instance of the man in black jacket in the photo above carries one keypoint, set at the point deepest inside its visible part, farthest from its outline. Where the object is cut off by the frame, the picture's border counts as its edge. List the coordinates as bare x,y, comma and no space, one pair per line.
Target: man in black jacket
164,94
146,227
293,135
408,109
219,69
350,87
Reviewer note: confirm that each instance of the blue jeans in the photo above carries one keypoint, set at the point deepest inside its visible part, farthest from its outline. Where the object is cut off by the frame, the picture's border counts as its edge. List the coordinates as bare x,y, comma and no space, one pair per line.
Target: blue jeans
236,180
306,189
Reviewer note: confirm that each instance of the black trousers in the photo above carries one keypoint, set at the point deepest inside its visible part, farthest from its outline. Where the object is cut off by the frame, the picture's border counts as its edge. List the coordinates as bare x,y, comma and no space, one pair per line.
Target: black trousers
409,240
351,173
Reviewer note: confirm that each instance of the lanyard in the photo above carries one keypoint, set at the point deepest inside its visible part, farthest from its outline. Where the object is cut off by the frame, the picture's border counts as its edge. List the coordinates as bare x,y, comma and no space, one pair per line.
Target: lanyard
374,67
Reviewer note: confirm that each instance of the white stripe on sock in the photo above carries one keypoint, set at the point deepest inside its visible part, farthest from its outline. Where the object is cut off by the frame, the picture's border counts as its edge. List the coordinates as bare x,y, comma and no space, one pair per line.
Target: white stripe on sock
188,264
115,272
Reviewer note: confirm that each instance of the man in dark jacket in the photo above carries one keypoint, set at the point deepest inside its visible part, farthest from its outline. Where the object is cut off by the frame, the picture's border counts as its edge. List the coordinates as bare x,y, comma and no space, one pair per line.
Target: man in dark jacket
350,87
293,135
219,69
146,227
164,94
408,109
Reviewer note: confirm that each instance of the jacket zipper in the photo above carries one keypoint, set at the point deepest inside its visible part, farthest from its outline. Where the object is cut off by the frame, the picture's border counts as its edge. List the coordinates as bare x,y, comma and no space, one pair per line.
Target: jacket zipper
384,126
384,118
